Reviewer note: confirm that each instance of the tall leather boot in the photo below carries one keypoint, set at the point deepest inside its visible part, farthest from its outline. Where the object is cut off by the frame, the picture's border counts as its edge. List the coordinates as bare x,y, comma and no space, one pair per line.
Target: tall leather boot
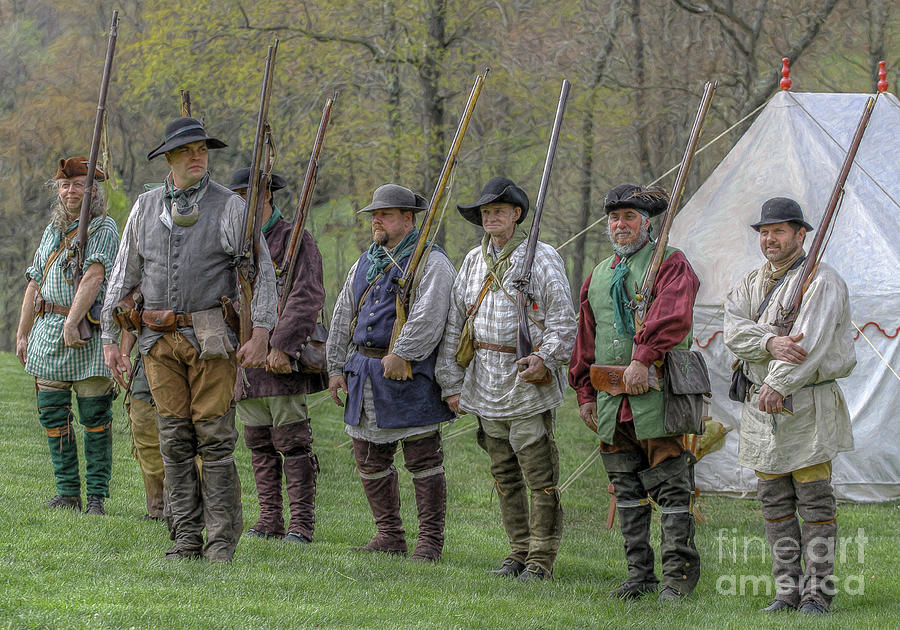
671,485
779,506
424,458
381,484
145,440
178,446
220,486
513,499
266,463
55,413
95,413
633,507
301,467
540,467
818,536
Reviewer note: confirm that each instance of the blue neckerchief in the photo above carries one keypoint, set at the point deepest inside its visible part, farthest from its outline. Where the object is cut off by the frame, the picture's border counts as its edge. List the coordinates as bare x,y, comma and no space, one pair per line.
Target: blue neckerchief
379,258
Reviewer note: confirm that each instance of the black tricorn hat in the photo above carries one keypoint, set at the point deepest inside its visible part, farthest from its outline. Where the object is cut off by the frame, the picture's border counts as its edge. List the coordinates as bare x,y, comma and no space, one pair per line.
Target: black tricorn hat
497,190
781,210
395,196
650,201
241,179
182,131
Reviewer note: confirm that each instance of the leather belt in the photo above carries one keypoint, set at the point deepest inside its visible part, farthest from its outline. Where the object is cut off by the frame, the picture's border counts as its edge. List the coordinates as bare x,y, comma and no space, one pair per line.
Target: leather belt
372,353
166,321
45,307
480,345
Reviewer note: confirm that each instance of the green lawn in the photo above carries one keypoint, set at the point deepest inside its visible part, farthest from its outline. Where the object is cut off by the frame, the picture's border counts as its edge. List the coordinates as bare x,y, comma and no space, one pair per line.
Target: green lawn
64,570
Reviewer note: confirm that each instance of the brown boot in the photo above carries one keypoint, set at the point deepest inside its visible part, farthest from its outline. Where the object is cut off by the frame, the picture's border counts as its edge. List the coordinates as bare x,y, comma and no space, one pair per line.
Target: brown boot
818,535
513,498
301,467
182,485
266,463
424,458
380,482
540,467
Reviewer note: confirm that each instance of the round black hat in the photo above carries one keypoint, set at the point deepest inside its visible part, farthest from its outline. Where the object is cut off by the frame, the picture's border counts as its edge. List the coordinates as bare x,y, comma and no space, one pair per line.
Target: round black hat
241,179
650,201
781,210
182,131
496,190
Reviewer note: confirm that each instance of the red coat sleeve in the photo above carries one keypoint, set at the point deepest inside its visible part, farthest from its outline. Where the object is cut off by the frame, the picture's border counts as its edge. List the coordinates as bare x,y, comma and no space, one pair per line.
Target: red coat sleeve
583,352
671,313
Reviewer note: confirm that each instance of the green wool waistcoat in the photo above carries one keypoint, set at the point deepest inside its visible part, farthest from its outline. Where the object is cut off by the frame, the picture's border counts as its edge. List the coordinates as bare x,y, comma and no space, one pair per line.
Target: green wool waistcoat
611,347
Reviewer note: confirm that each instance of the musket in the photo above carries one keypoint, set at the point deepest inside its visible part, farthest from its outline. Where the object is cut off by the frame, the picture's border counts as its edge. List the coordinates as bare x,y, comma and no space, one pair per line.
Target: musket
289,264
77,251
524,345
405,282
185,103
788,314
247,263
644,294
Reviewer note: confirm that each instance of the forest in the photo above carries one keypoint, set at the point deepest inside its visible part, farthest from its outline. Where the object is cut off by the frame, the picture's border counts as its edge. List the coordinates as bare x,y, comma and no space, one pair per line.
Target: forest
402,72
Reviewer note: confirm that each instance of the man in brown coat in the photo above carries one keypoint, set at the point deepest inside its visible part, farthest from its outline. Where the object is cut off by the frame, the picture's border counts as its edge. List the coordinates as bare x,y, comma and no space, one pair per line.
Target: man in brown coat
272,402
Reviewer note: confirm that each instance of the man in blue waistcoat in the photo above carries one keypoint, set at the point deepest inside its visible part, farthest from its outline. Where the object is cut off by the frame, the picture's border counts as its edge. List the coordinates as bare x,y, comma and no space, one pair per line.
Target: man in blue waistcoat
384,404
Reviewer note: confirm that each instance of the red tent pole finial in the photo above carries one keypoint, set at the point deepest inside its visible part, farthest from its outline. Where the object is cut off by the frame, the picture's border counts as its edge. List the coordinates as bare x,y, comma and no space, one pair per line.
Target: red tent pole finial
882,77
786,74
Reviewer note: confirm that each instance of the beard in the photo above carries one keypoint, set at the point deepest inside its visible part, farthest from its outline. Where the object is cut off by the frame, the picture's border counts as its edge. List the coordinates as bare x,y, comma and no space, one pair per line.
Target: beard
380,237
627,249
60,217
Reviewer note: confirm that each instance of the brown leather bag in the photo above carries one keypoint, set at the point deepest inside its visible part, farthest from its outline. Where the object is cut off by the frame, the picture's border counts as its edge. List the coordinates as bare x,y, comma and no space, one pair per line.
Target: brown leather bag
611,378
160,321
312,356
127,312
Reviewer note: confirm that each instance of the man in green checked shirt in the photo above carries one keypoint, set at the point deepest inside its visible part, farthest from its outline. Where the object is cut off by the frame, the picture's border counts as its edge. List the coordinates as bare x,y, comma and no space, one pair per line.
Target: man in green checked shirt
50,348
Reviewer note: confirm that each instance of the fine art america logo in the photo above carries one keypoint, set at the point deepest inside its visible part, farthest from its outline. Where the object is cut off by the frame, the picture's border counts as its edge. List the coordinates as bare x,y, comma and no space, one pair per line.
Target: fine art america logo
742,551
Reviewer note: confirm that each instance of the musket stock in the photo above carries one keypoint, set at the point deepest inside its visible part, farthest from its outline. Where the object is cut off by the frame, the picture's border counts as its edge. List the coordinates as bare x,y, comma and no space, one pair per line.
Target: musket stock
77,251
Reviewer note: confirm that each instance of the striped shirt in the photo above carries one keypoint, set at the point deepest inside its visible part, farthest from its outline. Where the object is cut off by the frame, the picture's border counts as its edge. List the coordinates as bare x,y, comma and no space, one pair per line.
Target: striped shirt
490,386
48,356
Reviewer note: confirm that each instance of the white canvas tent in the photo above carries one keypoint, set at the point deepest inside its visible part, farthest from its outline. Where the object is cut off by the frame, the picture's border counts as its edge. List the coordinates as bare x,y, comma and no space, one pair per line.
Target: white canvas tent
795,148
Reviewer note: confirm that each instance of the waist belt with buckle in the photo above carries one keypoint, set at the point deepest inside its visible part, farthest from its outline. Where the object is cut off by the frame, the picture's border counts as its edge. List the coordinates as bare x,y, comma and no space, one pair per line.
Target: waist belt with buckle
45,308
480,345
165,321
372,353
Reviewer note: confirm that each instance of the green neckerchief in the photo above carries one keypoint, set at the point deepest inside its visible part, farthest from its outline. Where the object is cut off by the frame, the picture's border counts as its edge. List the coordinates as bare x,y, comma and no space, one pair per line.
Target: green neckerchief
276,214
619,296
379,258
499,267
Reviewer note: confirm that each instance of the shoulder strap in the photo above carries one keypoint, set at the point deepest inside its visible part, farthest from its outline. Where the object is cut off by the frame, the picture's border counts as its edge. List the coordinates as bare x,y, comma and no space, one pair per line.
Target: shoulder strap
768,298
481,295
52,257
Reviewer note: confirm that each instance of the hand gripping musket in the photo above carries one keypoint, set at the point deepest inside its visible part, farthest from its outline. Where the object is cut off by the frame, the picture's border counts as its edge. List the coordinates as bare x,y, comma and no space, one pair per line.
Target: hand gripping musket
524,345
76,254
788,313
247,260
644,295
406,281
289,265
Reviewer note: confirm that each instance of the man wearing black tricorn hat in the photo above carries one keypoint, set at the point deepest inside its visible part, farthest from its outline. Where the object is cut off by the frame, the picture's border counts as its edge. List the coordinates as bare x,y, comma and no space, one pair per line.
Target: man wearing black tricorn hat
271,403
515,401
180,245
641,457
791,454
384,405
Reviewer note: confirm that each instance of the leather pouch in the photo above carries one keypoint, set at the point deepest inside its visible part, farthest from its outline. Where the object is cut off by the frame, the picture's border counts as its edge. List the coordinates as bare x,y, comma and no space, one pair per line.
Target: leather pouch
686,387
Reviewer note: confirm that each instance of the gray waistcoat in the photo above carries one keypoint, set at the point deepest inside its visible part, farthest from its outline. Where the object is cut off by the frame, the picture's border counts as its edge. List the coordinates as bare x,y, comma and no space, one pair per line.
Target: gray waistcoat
187,269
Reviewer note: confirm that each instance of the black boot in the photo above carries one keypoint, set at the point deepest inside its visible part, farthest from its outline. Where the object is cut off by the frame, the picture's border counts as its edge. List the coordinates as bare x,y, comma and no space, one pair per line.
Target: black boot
220,486
818,535
178,446
634,511
779,505
540,468
672,487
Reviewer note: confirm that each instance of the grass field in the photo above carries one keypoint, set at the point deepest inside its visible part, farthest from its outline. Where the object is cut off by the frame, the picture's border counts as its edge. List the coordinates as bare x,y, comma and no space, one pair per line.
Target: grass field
59,569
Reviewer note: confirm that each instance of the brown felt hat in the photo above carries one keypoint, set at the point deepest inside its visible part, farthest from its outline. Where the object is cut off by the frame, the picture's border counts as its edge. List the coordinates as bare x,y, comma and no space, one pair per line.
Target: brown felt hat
75,167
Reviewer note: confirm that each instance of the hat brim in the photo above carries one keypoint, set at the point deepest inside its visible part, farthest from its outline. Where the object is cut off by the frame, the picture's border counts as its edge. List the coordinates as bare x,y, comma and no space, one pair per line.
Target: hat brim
277,182
628,203
511,194
372,207
808,227
211,143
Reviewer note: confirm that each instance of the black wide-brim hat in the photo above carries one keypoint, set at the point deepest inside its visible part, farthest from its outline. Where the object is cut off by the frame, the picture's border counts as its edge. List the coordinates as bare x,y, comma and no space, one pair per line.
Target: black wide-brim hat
497,190
395,196
182,131
781,210
649,201
241,179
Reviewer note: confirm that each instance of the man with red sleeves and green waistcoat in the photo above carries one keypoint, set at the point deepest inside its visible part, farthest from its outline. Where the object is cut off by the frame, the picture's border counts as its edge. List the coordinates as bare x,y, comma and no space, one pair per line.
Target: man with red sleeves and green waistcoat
640,457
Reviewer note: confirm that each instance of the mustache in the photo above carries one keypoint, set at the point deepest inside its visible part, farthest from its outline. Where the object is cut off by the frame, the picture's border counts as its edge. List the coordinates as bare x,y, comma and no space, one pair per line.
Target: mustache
625,231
